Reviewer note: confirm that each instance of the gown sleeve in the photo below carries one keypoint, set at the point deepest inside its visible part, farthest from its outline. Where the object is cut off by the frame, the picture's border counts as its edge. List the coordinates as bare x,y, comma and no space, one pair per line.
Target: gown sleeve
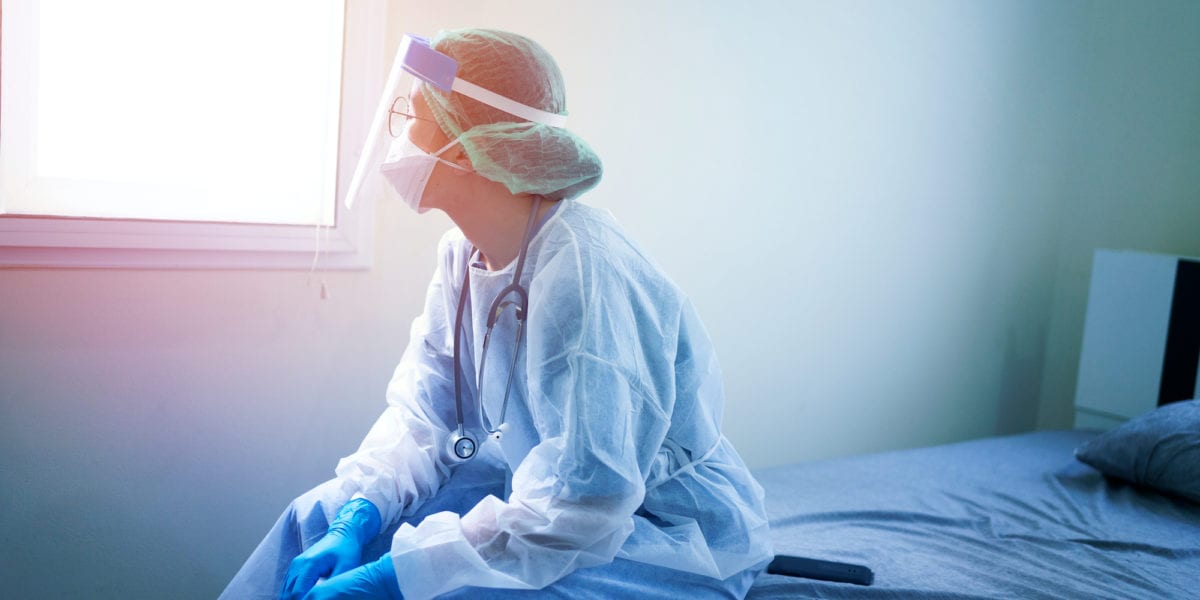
401,462
574,494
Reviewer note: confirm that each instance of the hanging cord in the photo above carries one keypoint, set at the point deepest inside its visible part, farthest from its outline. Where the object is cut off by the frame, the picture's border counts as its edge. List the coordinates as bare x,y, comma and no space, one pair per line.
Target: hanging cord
312,269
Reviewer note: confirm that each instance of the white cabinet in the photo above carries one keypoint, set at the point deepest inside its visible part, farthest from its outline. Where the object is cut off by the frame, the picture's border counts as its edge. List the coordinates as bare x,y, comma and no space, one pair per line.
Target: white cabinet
1141,340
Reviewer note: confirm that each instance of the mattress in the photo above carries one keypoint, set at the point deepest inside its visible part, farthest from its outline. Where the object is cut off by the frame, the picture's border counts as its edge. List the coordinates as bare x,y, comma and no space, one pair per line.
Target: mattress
1003,517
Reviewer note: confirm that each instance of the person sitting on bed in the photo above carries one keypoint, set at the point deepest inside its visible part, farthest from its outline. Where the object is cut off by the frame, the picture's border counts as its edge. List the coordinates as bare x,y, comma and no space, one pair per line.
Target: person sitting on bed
611,476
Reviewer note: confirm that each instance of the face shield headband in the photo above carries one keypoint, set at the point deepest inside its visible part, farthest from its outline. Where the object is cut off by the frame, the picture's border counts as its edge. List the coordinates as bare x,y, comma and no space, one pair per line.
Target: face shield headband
417,57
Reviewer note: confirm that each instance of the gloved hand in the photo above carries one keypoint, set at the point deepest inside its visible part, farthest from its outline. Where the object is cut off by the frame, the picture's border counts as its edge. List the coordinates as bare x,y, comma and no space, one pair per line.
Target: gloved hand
336,553
372,580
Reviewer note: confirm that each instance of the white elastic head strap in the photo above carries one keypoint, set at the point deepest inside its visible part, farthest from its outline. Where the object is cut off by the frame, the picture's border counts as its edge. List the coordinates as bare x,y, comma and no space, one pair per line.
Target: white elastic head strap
417,56
508,105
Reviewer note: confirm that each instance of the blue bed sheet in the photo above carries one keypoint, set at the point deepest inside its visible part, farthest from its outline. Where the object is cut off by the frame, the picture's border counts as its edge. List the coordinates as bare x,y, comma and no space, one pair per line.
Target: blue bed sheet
1004,517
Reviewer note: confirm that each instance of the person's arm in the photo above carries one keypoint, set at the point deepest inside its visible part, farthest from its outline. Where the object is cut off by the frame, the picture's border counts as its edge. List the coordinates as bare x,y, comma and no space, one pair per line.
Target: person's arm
572,502
574,494
400,463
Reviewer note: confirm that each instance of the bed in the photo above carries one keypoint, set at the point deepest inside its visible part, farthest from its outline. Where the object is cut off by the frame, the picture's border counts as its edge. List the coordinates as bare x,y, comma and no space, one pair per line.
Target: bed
1003,517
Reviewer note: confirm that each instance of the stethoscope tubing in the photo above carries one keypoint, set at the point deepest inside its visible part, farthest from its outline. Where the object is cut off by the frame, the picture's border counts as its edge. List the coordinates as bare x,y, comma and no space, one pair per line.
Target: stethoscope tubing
497,307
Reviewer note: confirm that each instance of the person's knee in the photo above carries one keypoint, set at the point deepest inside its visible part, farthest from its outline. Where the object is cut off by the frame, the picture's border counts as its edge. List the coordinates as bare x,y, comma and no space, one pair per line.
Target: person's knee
312,511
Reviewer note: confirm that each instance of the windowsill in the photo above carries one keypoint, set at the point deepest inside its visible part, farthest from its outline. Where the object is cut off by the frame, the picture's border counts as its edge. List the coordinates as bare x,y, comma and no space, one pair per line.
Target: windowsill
35,242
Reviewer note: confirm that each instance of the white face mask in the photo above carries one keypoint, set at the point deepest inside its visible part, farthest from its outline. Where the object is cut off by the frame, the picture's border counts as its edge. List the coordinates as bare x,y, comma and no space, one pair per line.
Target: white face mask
408,168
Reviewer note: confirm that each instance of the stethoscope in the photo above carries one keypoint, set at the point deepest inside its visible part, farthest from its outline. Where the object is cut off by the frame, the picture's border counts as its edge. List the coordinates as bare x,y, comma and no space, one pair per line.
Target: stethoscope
462,445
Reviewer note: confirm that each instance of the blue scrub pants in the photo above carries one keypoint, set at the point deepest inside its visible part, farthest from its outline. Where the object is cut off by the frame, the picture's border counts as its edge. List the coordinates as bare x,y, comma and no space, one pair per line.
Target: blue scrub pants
305,521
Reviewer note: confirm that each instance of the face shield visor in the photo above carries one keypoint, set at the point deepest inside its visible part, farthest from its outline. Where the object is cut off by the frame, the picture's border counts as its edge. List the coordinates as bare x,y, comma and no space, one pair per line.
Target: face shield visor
416,60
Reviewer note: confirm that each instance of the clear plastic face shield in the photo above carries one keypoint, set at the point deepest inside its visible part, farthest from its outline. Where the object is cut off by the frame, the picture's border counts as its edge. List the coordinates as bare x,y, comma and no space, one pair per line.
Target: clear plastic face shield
416,60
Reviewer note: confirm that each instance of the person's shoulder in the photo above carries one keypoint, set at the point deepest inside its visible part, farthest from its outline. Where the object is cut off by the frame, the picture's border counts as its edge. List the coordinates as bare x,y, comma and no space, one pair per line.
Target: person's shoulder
594,231
580,234
606,251
452,251
452,238
453,244
608,240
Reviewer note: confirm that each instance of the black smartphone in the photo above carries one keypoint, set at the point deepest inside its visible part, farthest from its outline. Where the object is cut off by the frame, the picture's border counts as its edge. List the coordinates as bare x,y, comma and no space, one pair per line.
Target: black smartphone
825,570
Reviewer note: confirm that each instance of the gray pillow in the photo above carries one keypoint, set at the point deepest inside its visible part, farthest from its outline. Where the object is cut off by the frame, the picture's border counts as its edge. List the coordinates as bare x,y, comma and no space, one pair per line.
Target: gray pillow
1159,449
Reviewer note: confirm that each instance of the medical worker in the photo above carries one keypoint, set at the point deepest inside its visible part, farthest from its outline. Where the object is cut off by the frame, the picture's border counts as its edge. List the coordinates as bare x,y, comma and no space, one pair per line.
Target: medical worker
597,469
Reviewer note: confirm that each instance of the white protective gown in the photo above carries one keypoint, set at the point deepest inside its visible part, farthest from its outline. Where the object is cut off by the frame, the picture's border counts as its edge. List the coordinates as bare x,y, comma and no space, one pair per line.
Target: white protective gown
612,435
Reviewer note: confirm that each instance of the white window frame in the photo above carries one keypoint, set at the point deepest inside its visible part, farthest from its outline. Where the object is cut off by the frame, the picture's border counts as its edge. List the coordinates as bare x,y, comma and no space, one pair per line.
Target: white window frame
50,242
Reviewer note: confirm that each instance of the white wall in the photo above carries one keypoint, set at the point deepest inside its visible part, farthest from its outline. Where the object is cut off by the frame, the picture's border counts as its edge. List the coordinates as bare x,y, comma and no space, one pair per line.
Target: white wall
861,197
1133,180
884,211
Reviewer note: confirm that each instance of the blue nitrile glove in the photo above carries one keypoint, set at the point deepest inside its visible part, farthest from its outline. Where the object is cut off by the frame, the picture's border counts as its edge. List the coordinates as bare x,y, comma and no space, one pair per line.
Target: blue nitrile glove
338,552
372,580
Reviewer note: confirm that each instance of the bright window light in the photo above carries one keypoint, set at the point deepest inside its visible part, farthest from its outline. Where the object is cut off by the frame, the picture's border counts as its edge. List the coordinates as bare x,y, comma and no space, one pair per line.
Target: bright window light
215,111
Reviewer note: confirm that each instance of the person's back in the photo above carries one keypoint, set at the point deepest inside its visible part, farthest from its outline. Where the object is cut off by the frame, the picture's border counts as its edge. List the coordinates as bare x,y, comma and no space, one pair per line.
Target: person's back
700,500
620,342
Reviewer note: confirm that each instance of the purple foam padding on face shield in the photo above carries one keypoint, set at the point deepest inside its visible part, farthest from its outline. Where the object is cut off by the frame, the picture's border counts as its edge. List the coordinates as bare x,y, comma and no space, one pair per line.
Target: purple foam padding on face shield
419,58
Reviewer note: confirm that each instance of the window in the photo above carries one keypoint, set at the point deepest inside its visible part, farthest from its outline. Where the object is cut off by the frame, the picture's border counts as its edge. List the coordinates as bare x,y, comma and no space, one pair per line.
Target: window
169,134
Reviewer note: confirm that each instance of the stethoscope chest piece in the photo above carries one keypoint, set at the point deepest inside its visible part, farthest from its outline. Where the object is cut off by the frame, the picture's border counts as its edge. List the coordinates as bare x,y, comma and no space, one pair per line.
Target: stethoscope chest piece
464,447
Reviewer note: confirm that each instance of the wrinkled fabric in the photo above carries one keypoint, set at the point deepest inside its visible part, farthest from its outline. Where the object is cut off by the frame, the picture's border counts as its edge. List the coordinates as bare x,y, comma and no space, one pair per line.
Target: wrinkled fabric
612,435
1001,517
305,521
